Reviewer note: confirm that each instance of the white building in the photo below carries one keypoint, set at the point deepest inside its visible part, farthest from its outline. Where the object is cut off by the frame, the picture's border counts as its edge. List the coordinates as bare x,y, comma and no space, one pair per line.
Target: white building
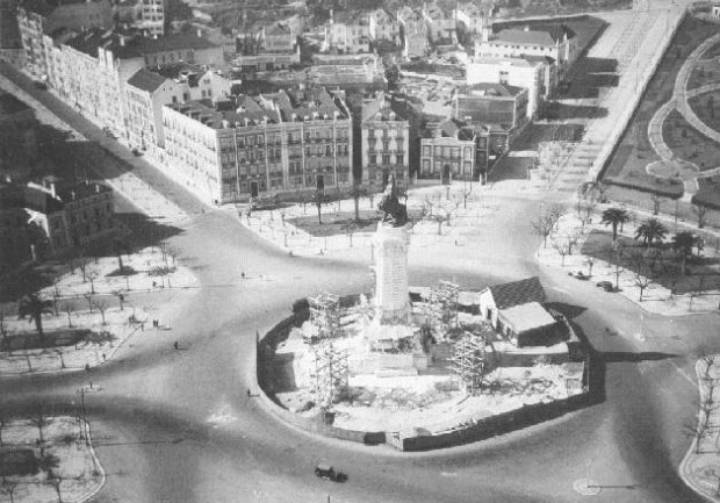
519,72
349,32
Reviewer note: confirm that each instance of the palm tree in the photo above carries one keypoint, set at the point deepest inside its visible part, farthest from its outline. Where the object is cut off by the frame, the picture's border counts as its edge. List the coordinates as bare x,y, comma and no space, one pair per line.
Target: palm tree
615,217
651,231
33,307
683,243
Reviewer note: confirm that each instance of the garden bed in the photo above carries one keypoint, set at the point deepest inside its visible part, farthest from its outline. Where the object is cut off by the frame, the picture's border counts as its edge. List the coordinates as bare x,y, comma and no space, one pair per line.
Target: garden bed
689,144
627,165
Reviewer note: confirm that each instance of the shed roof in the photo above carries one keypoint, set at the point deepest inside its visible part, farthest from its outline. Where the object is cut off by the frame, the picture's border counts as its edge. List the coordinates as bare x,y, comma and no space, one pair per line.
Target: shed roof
516,293
525,317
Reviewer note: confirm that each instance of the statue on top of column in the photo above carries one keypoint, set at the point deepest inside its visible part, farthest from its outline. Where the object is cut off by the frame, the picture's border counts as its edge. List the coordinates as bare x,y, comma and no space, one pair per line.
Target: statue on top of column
394,212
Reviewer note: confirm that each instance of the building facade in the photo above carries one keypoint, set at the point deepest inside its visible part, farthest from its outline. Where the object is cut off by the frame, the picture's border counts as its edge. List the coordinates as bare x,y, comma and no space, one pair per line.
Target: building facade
517,72
285,142
492,104
414,33
152,17
385,143
349,32
38,17
448,153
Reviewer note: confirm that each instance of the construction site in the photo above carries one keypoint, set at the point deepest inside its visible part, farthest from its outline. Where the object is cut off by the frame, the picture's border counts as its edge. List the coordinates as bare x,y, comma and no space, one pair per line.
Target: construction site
455,358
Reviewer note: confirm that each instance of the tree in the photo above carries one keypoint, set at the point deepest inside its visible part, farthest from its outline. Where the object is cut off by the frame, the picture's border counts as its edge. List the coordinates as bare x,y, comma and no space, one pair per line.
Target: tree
92,275
350,229
615,217
641,272
4,333
656,200
101,306
563,248
651,232
555,212
39,420
121,298
683,243
68,311
542,226
81,260
8,487
120,246
33,307
701,213
618,251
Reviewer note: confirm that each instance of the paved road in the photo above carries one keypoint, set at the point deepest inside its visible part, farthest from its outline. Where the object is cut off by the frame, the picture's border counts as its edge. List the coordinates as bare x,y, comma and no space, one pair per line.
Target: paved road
176,426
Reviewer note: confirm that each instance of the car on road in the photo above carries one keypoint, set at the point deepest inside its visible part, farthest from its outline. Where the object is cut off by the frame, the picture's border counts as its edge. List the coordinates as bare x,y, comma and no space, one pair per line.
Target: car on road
39,84
136,152
579,275
606,285
327,472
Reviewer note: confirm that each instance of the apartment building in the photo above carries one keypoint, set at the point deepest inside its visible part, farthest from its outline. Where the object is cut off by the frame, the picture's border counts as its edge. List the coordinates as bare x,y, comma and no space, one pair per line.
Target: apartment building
415,36
386,26
152,17
38,17
349,32
533,74
385,144
441,23
147,91
279,143
10,43
492,104
268,48
447,152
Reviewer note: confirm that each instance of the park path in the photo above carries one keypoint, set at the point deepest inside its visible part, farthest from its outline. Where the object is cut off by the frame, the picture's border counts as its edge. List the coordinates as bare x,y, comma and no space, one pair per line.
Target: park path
680,102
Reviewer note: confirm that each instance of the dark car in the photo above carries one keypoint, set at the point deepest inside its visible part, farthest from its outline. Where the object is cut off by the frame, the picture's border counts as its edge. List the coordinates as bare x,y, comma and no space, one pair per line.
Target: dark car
136,152
327,472
606,285
39,84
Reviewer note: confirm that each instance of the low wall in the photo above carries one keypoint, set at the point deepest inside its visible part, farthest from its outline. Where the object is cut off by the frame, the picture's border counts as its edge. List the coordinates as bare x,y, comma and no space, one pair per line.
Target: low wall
480,430
492,426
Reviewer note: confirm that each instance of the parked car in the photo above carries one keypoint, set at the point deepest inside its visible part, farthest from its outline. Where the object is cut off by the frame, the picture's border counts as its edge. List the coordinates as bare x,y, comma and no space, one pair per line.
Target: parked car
39,84
606,285
579,275
327,472
136,152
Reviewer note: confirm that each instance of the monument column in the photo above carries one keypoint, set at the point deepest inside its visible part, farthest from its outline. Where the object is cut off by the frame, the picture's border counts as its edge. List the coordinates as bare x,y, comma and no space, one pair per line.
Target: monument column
392,302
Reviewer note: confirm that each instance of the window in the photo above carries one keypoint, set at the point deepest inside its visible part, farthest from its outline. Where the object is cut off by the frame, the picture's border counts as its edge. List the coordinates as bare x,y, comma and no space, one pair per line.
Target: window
399,158
426,165
385,159
427,150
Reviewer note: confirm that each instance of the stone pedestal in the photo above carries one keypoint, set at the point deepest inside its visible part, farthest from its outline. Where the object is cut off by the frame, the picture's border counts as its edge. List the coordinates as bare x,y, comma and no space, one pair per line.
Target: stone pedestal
392,302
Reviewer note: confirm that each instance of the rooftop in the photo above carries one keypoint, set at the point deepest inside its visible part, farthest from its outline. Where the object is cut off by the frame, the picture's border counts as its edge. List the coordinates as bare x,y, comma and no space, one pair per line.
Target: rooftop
47,7
135,46
146,80
490,90
545,36
524,317
512,294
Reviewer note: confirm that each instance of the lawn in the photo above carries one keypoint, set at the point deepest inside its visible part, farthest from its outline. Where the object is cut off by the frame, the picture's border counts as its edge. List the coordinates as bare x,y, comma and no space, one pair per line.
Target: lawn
705,72
688,143
709,194
633,153
334,223
703,273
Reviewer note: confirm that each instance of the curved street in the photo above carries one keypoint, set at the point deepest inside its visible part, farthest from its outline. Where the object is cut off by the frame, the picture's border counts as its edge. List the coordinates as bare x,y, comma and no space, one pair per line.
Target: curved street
177,425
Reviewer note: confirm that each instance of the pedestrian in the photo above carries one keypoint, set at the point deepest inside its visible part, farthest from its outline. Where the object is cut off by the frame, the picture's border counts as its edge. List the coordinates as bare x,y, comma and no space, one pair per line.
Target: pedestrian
154,284
176,345
242,275
142,326
103,355
87,367
248,392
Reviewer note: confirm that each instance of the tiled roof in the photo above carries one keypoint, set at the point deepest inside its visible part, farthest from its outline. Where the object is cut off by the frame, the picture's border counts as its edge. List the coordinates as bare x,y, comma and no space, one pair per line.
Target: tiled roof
547,36
132,47
512,294
146,80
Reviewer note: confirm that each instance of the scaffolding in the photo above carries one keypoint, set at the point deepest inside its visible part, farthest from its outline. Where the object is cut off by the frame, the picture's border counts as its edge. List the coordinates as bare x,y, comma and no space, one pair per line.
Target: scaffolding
325,315
469,361
331,373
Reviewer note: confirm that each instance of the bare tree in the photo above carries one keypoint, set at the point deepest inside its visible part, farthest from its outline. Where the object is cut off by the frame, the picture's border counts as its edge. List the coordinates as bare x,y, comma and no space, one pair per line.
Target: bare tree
350,229
542,226
121,298
39,420
563,247
641,272
656,201
67,307
554,212
8,487
101,305
701,213
92,275
89,299
4,332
